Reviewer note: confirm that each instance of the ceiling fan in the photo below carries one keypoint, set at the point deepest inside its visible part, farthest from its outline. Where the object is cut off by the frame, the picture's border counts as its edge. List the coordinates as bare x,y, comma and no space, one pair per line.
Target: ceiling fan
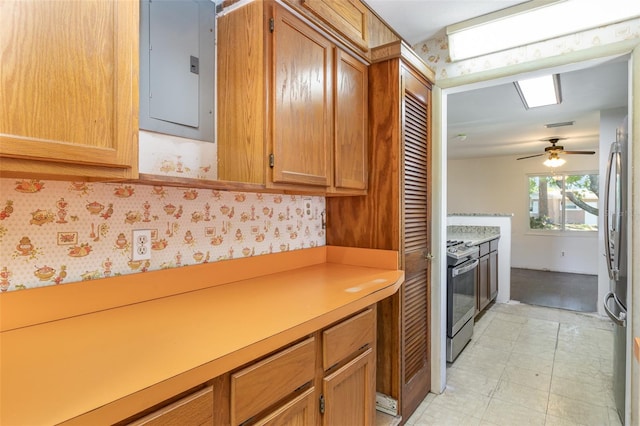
554,152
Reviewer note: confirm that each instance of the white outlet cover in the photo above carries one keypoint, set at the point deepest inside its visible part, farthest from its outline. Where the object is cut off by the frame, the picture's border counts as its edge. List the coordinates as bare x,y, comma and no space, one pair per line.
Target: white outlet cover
141,244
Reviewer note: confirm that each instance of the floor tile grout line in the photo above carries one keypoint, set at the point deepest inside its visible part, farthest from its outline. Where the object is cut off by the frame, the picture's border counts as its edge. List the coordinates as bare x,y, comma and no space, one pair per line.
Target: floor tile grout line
553,366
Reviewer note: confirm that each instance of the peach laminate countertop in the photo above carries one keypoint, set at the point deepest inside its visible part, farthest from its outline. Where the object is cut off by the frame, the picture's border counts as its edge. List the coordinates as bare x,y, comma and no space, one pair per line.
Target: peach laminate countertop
101,367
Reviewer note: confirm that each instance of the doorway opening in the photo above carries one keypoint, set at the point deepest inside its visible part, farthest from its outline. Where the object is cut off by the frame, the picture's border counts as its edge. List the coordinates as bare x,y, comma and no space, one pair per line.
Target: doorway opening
494,147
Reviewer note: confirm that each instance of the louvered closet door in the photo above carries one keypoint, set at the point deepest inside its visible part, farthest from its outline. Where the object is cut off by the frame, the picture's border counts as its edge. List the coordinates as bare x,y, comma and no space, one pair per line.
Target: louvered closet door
416,310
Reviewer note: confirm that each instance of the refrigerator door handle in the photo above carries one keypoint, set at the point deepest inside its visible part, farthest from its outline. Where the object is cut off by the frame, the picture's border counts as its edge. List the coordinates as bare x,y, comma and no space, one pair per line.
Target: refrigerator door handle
611,232
619,320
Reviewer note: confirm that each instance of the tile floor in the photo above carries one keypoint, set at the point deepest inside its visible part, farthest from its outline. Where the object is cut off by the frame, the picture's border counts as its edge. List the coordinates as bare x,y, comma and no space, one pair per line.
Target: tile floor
528,365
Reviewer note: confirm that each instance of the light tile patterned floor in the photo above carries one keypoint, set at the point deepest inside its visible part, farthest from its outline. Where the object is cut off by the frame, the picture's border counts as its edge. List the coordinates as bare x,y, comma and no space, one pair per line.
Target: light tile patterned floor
528,365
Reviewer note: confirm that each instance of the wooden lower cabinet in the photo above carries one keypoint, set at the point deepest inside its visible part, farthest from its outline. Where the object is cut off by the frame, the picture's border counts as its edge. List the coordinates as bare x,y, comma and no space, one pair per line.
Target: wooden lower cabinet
482,284
487,275
349,393
300,411
327,378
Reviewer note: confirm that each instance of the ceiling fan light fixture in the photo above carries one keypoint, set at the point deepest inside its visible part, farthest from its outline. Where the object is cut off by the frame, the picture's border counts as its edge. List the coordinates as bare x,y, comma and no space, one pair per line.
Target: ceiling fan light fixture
539,91
554,160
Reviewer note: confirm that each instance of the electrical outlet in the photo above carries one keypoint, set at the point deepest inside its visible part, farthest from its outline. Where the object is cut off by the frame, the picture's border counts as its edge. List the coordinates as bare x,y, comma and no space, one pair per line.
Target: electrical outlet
141,247
307,207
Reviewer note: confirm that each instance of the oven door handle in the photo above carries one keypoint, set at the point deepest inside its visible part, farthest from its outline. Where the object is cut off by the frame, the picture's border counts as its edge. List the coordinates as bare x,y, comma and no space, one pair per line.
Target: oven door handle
465,268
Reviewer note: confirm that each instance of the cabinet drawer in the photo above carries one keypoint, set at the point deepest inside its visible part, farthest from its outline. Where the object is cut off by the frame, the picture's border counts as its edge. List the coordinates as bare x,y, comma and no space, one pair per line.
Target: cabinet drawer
261,385
484,249
493,245
195,409
300,411
342,340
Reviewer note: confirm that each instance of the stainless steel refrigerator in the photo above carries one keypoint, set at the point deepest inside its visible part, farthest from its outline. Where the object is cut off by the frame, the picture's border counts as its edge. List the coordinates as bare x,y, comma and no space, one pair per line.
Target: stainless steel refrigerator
616,228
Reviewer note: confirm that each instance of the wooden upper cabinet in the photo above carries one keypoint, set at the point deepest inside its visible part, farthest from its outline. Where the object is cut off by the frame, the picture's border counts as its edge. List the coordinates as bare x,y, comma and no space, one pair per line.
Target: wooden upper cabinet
351,131
395,215
292,105
69,89
348,17
301,65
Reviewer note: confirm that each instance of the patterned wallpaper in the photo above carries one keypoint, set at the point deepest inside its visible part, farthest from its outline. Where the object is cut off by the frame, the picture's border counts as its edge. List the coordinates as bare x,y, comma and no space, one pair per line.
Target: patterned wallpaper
54,232
435,52
169,155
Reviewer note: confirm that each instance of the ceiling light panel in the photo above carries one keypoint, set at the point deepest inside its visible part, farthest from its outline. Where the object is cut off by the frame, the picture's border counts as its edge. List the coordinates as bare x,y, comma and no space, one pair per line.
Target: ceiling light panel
534,21
539,91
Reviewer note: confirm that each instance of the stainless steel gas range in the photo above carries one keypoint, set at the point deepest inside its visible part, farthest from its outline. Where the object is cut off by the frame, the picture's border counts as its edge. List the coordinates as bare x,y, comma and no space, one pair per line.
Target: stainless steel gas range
462,261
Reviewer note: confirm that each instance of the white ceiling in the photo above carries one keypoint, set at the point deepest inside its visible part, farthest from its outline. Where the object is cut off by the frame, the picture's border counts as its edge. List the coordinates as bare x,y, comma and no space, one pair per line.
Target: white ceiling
496,122
494,118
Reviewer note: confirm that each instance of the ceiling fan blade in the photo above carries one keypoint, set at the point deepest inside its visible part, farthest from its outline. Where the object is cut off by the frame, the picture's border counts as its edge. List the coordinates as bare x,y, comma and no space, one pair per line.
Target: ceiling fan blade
530,156
578,152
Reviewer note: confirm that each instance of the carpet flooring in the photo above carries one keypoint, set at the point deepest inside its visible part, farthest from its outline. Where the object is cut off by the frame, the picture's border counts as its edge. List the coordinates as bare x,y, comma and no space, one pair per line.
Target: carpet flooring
574,292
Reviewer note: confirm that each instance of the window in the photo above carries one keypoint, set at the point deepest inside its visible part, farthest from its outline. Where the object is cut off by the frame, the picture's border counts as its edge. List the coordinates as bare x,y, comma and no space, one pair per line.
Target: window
564,202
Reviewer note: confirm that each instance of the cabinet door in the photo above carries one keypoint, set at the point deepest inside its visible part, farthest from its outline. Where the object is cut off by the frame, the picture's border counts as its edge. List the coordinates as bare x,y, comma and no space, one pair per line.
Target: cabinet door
483,283
349,393
301,102
493,275
69,88
348,17
350,144
301,411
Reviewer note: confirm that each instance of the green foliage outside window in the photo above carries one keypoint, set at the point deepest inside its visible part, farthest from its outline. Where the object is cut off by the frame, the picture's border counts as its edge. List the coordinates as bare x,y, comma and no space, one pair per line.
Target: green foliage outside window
564,202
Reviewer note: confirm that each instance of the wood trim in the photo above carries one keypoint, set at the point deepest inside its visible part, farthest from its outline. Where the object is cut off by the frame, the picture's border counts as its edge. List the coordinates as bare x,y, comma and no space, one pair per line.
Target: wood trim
636,348
151,179
399,49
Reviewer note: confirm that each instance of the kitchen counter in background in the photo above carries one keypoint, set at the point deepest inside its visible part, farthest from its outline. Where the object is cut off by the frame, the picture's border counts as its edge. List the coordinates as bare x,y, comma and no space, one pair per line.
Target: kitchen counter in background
481,227
481,214
473,234
118,354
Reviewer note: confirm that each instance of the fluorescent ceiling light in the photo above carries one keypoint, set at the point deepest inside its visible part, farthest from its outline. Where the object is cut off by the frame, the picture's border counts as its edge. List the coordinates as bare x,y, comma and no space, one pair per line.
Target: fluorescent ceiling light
539,91
534,21
554,160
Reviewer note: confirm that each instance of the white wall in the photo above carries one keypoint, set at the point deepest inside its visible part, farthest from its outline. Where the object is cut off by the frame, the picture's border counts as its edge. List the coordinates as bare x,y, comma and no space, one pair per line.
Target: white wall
499,185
